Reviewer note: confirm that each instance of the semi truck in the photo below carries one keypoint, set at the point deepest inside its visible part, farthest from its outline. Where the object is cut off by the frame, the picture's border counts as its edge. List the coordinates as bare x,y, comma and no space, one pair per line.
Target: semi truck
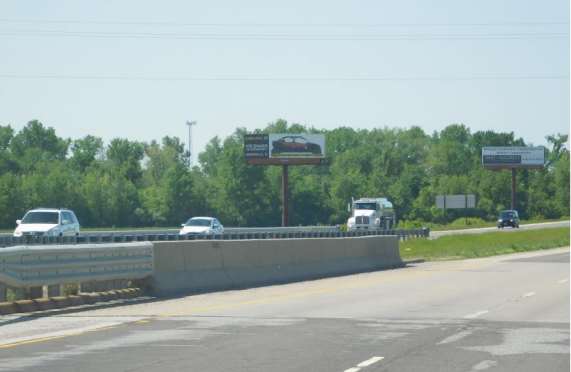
371,214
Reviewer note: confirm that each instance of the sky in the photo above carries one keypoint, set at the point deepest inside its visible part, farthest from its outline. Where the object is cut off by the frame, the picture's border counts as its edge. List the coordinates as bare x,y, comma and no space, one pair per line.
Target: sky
141,69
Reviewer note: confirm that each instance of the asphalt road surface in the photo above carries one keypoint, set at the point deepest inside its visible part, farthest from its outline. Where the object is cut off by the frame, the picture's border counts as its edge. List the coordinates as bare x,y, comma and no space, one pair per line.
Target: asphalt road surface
530,226
508,313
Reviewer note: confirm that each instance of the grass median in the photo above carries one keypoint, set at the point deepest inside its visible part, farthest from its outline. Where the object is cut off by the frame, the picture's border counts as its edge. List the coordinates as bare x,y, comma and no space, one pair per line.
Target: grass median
483,245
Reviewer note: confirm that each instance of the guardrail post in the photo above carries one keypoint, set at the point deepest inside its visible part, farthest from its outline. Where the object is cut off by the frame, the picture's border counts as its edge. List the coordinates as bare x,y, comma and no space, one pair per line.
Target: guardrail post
54,290
35,292
86,287
426,232
18,293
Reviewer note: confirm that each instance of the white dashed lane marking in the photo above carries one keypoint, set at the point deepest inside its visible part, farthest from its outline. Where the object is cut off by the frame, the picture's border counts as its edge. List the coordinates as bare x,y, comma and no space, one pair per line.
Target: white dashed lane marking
563,281
528,294
456,337
475,315
364,364
485,364
369,362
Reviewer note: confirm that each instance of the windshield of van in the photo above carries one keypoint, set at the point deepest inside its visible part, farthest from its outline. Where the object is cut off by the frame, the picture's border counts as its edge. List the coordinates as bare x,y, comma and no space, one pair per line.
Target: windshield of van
198,222
41,217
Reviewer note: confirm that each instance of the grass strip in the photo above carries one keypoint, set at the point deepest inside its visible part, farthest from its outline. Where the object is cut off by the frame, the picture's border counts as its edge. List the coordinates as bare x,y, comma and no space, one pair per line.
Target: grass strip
483,245
476,223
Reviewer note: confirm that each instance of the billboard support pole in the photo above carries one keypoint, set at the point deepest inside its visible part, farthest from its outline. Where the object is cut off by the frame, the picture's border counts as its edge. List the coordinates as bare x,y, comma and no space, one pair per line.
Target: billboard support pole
513,188
513,157
285,197
466,209
285,150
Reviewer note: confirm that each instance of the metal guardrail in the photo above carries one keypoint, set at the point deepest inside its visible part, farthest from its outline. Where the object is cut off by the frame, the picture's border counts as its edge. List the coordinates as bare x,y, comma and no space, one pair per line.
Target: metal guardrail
292,229
7,241
28,266
234,230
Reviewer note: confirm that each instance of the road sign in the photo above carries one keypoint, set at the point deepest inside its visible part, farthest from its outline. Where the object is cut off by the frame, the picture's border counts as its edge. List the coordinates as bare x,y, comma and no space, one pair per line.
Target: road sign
461,201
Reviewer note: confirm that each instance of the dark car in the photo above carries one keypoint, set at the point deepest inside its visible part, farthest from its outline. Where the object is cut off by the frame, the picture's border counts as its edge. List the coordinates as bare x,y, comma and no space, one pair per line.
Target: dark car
508,218
295,144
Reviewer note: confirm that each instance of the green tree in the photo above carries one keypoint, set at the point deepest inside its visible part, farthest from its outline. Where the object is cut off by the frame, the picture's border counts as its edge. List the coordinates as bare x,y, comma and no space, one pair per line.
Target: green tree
36,143
85,152
126,156
11,203
561,184
450,153
7,163
558,148
168,197
111,199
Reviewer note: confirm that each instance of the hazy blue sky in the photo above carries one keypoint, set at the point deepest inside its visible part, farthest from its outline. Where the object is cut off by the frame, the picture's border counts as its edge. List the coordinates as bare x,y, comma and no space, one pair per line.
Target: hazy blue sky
140,69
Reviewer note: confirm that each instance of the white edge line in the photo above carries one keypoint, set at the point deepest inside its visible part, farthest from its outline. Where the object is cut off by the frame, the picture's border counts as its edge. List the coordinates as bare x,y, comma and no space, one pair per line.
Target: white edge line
352,370
369,362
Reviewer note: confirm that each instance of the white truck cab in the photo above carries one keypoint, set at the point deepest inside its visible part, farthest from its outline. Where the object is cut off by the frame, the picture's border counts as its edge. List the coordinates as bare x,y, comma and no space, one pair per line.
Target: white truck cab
371,214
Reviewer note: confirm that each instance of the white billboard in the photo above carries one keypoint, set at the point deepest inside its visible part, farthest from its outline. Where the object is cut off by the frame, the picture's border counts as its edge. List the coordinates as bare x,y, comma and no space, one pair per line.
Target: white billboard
287,145
513,157
456,201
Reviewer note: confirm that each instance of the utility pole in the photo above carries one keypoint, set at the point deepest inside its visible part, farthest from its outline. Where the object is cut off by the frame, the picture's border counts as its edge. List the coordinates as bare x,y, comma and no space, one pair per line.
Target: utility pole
285,196
513,188
190,124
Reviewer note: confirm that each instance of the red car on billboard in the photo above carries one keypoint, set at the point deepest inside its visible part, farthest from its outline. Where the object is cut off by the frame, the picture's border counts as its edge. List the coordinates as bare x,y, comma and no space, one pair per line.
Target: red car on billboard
296,144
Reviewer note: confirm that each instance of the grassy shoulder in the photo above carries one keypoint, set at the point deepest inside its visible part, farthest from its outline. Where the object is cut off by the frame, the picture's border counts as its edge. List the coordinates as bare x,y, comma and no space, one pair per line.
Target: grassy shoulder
483,245
467,223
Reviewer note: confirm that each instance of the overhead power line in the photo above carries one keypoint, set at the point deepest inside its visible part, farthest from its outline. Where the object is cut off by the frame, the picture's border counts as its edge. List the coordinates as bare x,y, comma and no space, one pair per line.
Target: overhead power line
310,25
286,37
490,77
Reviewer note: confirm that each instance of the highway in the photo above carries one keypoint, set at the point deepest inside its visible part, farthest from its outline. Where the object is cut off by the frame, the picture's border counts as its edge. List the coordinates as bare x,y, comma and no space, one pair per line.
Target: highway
482,230
293,229
506,313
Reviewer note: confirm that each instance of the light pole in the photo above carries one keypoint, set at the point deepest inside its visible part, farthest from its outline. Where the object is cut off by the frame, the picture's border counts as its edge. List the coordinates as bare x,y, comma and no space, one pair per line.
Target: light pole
190,124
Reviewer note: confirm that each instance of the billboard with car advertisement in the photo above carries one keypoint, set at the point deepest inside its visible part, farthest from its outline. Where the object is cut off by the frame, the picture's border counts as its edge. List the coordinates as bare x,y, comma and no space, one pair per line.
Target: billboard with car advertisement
297,145
284,148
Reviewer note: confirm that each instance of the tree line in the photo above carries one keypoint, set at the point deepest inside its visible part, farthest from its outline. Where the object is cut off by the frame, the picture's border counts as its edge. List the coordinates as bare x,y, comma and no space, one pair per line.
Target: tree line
128,183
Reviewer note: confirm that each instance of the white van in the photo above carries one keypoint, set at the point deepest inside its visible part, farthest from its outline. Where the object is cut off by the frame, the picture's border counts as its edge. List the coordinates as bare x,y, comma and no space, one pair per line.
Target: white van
47,222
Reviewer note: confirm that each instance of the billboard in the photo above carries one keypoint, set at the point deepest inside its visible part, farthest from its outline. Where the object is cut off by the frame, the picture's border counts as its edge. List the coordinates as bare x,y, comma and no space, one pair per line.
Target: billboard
256,146
456,201
297,145
284,148
513,157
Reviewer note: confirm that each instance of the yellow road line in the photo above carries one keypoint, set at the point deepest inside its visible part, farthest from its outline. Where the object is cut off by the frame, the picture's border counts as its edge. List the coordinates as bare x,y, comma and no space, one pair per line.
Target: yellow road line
50,338
36,340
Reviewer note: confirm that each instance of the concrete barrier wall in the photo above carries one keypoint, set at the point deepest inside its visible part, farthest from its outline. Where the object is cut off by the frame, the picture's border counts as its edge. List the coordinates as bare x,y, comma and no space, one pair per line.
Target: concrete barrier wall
195,266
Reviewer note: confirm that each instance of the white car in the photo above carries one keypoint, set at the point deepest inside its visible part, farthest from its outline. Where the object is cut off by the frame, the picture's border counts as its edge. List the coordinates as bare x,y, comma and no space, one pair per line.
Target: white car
47,222
202,226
